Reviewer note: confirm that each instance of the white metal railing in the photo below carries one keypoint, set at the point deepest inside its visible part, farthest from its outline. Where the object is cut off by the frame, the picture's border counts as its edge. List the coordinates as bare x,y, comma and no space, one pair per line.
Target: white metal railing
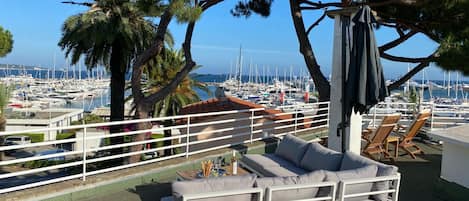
443,115
198,133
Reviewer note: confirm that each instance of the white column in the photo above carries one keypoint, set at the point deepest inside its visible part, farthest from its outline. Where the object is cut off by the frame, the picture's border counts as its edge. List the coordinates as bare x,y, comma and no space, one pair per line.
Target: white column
353,132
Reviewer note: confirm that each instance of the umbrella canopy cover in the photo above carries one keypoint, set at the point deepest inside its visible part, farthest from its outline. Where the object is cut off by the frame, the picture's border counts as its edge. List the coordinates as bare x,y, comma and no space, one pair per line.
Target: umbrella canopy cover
365,84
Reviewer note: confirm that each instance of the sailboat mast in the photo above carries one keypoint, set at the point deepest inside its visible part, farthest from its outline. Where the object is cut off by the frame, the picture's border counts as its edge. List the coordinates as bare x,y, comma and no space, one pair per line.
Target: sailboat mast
240,70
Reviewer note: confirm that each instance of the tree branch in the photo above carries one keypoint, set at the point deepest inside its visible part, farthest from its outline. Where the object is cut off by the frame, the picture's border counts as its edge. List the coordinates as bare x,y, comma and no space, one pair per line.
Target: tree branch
352,4
306,50
316,23
405,59
78,3
148,54
399,31
179,77
396,42
188,67
407,76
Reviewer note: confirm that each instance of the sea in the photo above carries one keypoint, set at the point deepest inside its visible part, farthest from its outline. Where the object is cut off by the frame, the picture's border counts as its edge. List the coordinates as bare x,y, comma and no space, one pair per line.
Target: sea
104,99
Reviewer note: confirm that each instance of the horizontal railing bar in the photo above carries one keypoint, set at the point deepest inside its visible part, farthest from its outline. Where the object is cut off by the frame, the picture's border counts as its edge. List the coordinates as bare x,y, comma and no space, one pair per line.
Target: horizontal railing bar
34,158
50,181
219,138
116,123
36,144
36,170
133,164
133,153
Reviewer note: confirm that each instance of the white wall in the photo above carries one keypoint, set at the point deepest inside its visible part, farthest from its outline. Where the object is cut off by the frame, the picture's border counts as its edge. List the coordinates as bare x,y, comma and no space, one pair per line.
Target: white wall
90,144
455,164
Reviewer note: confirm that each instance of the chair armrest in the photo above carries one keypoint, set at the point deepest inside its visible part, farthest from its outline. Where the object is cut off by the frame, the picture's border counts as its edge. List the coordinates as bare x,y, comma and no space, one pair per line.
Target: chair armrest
332,185
394,189
197,196
366,133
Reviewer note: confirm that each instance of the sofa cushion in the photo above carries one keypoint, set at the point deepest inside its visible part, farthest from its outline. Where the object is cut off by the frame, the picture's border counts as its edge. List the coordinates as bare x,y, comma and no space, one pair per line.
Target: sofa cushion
292,149
353,161
294,194
363,172
180,188
261,161
318,157
282,171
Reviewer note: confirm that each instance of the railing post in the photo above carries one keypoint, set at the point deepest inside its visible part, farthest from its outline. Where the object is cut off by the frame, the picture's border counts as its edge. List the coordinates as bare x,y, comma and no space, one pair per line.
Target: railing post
432,111
252,125
187,136
84,154
296,118
328,113
374,116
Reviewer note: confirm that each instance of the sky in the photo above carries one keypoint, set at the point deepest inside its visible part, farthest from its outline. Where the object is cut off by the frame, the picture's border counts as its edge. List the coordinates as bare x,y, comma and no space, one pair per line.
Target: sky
268,43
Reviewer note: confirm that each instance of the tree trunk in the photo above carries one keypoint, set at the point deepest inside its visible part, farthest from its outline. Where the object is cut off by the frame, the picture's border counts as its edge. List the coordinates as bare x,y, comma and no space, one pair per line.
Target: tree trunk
320,81
141,112
322,85
118,67
167,133
3,123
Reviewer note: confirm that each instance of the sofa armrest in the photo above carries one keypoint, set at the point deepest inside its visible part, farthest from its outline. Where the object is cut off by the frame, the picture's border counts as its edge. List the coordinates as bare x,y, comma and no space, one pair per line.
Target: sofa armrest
394,188
195,196
333,185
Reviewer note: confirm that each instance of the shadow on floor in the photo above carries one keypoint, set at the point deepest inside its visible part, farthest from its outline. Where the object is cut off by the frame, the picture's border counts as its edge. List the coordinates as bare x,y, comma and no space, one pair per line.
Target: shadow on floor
420,176
153,191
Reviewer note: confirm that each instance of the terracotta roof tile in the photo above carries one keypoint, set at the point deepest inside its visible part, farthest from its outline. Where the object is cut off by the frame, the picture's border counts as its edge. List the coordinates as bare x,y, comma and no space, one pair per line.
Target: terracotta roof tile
227,104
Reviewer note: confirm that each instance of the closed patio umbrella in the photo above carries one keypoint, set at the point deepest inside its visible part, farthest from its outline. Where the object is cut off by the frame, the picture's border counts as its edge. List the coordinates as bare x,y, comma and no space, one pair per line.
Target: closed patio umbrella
365,85
363,80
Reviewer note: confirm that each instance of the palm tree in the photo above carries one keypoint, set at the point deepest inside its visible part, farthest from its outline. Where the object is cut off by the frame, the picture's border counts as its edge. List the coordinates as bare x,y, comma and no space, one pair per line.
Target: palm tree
111,34
159,75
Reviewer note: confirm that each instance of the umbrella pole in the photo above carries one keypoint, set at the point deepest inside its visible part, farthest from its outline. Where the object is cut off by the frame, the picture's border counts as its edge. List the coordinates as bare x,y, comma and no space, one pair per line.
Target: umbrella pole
345,39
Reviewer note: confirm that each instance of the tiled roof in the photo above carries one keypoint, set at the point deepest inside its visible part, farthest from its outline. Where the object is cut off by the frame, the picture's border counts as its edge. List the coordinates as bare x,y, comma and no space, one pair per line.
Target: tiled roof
227,104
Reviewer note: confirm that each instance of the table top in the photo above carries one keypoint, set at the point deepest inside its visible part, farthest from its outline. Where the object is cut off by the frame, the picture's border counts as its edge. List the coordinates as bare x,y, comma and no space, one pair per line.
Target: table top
393,138
192,174
457,135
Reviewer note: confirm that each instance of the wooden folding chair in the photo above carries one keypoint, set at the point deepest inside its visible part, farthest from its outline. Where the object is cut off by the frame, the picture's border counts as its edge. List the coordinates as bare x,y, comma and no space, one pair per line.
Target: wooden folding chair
377,138
405,142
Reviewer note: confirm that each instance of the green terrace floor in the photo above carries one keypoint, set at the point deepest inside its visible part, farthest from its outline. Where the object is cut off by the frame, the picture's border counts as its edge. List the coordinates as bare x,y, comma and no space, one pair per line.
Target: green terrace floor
420,177
420,181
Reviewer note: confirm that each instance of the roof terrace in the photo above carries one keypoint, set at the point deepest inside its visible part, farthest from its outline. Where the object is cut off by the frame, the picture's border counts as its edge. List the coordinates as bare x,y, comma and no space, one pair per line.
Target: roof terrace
86,173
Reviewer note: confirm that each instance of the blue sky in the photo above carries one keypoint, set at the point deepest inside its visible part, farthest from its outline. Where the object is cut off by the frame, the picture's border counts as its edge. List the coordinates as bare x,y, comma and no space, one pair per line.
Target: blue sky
269,42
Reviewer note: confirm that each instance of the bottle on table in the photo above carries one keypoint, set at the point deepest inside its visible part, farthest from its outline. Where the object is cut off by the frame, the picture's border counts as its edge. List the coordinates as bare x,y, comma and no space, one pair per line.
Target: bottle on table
234,164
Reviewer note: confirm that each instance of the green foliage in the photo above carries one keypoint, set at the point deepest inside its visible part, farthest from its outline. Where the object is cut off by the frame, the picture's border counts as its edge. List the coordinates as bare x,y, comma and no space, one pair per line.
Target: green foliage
105,25
161,72
157,136
413,96
6,42
246,8
35,137
185,11
67,135
89,119
446,22
41,163
151,8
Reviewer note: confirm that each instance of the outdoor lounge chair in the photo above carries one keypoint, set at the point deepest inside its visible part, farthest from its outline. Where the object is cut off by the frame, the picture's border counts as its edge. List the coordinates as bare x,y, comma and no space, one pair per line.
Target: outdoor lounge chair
409,133
376,138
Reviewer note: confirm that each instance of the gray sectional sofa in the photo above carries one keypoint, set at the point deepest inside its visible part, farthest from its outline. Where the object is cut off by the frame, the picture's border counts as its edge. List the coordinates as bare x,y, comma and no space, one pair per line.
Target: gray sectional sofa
299,170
